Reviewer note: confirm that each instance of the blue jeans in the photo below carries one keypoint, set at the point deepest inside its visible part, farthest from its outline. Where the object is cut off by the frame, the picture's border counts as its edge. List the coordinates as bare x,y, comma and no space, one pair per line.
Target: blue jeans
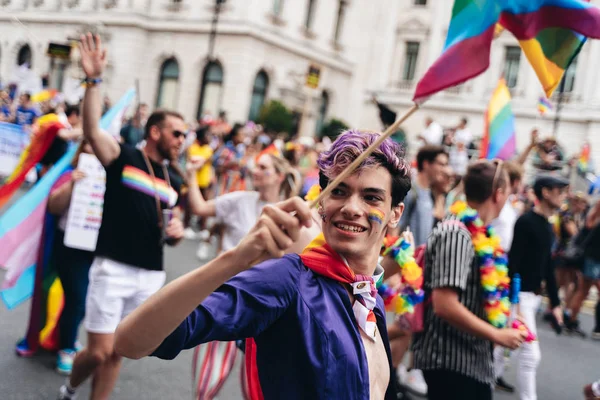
73,267
591,269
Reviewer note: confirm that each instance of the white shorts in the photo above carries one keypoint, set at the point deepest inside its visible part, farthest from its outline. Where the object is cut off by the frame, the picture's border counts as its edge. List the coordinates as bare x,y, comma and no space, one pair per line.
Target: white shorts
115,290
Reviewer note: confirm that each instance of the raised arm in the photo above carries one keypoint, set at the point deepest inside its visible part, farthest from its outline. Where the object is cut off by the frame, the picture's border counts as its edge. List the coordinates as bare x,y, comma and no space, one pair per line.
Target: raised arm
198,205
70,134
523,157
148,326
93,61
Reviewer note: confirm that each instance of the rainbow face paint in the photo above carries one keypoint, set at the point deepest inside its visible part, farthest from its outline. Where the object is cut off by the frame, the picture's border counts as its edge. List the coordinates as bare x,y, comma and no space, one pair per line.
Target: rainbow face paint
376,215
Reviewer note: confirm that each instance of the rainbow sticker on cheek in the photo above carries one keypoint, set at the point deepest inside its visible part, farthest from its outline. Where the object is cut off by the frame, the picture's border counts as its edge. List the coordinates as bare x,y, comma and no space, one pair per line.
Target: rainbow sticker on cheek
376,215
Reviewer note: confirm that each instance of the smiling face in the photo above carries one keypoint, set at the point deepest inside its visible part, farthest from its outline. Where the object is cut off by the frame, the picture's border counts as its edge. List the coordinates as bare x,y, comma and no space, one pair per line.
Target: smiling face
357,214
264,173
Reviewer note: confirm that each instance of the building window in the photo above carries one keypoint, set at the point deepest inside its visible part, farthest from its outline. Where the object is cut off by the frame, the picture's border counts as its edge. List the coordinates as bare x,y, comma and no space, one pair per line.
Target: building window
278,7
410,61
339,23
259,93
323,108
57,73
420,2
569,78
310,13
211,91
24,56
511,65
168,84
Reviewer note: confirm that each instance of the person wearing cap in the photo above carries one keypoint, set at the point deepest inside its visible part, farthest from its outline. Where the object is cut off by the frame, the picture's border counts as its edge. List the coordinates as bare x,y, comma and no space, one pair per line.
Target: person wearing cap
531,256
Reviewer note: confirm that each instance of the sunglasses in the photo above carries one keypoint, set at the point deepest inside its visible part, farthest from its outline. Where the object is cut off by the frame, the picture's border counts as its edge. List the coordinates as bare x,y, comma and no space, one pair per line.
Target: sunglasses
178,134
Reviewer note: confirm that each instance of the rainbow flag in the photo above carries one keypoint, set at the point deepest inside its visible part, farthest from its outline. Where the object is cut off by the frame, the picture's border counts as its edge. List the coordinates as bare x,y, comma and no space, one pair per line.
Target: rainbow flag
43,136
270,149
544,105
499,137
583,162
551,32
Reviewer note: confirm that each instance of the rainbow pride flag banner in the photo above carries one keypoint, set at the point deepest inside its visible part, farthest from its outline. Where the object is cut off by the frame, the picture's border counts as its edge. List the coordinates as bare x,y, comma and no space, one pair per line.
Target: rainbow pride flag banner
499,138
583,162
42,138
544,105
551,33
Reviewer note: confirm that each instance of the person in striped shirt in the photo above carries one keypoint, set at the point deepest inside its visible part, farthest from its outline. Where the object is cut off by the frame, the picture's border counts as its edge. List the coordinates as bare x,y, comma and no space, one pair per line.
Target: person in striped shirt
454,351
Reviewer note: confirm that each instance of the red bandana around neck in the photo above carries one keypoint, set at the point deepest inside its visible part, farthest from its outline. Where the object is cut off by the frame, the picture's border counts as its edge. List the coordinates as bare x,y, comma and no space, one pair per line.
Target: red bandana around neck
323,260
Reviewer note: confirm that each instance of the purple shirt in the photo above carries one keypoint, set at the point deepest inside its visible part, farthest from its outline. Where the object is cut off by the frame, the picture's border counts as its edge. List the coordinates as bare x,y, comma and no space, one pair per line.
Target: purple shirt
308,343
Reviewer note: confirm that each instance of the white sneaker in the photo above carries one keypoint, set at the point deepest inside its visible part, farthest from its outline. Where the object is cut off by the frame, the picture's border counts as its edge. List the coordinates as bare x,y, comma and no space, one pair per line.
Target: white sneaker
64,363
415,382
64,394
189,234
402,373
203,252
203,235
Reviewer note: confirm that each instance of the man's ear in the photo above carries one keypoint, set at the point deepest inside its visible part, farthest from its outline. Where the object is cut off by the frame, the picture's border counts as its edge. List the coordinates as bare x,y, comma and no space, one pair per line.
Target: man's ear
154,133
395,216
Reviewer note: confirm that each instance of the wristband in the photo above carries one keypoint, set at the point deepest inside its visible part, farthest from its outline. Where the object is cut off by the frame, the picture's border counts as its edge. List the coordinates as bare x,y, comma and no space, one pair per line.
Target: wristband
91,82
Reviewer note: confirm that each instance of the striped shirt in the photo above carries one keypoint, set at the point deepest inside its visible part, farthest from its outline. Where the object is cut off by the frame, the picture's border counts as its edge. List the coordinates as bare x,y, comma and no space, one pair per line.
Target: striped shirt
450,262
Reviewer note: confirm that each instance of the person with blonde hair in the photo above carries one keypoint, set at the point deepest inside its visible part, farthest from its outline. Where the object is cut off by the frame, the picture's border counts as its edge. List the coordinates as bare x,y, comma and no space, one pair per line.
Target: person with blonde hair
274,180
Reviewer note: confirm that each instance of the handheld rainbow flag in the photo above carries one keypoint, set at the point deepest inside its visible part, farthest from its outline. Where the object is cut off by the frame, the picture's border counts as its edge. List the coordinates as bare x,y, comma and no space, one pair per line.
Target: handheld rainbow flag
551,33
499,137
544,105
43,136
583,162
271,149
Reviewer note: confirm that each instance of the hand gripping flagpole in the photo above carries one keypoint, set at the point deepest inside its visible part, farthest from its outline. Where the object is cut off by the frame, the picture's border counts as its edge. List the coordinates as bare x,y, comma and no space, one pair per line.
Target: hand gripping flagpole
356,163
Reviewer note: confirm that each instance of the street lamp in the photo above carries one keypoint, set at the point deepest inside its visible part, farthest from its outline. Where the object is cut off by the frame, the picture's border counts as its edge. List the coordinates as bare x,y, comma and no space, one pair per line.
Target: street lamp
213,29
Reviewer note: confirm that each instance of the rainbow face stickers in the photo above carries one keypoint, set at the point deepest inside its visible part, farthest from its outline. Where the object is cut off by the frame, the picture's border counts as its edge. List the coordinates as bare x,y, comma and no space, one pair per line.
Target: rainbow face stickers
376,216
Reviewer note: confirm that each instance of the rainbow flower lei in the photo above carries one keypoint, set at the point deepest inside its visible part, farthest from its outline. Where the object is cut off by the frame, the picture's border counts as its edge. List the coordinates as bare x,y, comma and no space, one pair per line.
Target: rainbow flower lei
492,264
402,300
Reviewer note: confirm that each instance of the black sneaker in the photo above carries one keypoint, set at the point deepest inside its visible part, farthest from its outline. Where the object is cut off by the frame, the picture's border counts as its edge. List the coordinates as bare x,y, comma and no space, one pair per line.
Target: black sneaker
572,327
503,386
555,325
548,316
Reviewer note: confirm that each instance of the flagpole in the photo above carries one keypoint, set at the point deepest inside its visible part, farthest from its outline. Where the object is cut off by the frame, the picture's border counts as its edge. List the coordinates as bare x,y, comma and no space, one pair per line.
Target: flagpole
561,94
374,146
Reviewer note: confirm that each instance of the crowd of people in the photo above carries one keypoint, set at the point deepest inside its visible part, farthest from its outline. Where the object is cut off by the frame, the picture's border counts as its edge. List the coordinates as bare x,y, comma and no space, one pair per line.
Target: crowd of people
278,272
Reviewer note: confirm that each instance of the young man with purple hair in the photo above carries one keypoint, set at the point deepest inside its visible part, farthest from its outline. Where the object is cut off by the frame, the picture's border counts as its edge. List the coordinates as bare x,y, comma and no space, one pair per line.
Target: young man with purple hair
317,321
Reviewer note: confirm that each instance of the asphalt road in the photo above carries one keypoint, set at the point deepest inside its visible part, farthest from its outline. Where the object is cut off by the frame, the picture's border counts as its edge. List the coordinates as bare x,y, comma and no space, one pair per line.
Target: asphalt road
567,362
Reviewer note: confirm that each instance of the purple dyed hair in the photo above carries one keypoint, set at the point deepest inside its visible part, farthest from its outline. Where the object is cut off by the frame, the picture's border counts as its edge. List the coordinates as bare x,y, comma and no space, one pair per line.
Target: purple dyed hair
350,144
